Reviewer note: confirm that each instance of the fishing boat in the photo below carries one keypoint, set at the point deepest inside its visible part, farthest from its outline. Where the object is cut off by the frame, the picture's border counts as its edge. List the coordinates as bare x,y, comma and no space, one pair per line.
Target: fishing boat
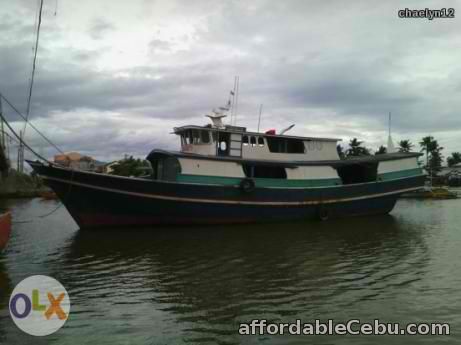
226,174
5,229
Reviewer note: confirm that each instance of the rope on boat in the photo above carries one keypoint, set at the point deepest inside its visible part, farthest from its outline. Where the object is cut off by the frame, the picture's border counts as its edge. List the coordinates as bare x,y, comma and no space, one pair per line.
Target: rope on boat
19,138
57,207
21,141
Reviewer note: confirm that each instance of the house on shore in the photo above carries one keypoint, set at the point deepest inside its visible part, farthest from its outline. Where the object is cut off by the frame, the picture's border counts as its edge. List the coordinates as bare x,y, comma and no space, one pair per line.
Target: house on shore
78,161
451,175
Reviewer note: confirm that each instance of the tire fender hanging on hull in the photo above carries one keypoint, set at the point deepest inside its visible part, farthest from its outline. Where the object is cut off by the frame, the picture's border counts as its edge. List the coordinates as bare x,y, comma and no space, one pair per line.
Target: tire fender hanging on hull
247,185
323,212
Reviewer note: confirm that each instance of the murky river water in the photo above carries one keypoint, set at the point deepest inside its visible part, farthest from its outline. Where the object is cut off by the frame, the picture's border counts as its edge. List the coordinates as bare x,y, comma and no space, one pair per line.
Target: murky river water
195,285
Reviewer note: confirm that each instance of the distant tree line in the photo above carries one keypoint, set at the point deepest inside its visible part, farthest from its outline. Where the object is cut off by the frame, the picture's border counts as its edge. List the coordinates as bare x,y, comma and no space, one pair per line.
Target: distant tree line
428,145
130,166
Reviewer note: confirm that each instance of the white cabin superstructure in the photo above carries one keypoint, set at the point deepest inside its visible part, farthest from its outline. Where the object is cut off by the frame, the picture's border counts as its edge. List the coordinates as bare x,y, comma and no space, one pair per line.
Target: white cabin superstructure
232,141
241,147
226,155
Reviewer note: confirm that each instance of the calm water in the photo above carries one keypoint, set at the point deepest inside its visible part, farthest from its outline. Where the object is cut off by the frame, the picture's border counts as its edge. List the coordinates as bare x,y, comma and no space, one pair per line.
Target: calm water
195,285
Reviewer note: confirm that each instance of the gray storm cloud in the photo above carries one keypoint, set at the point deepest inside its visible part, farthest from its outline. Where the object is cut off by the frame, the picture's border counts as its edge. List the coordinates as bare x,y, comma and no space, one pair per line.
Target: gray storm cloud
115,82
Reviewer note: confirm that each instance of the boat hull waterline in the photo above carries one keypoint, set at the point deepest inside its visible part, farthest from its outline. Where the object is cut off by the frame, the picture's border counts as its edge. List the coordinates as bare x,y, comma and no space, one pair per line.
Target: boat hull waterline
99,200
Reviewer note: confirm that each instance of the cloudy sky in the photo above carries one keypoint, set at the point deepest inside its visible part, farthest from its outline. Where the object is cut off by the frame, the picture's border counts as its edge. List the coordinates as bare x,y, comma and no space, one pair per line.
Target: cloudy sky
114,77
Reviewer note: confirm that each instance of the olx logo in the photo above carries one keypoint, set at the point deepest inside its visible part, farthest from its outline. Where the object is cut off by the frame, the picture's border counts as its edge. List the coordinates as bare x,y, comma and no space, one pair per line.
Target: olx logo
39,305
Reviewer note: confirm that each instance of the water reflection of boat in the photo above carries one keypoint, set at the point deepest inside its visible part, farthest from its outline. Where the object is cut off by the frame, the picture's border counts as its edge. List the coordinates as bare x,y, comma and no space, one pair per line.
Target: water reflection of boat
5,229
206,277
226,174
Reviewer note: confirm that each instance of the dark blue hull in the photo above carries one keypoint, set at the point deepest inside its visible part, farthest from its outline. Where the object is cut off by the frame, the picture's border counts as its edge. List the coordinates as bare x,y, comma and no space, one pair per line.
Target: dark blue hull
97,200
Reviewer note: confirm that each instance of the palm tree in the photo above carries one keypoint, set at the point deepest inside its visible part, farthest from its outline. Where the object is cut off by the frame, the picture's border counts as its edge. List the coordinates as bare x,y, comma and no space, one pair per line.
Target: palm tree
405,146
433,154
356,148
455,158
428,144
382,150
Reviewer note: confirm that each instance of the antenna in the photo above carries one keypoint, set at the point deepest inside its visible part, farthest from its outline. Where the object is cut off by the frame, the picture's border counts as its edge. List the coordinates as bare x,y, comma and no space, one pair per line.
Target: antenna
233,99
237,84
259,118
283,131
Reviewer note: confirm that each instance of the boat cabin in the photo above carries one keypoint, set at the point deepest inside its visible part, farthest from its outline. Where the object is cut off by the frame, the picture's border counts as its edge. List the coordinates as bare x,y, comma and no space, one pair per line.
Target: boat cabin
234,141
220,154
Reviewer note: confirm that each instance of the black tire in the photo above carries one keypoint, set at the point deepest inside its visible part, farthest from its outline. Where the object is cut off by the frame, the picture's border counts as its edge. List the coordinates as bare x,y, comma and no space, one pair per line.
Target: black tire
323,213
247,185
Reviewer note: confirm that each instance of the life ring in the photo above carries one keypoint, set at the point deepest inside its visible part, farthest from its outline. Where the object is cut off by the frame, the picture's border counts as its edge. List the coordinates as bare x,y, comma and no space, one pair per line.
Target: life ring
247,185
323,213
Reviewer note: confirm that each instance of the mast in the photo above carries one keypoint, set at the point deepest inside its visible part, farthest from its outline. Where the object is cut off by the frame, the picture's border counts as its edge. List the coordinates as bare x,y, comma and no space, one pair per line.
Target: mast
259,118
233,100
236,99
31,86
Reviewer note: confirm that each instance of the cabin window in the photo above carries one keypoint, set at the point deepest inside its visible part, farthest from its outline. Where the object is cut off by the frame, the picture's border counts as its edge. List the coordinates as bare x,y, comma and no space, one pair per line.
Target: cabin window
253,141
245,140
195,136
223,144
260,141
358,173
205,136
187,137
285,145
264,171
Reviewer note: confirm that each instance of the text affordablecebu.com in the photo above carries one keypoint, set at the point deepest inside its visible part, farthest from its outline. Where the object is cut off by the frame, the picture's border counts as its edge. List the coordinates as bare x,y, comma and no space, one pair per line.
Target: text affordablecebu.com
352,327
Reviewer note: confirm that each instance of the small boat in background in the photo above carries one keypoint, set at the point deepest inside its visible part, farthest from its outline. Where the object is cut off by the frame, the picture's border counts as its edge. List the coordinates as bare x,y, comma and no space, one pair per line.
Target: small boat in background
5,229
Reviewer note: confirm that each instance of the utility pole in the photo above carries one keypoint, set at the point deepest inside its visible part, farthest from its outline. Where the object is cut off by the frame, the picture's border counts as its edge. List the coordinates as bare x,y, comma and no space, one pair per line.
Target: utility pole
2,142
4,162
20,158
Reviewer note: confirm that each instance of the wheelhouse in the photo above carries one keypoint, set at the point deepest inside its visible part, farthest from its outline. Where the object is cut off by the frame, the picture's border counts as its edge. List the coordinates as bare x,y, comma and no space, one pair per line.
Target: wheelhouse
234,141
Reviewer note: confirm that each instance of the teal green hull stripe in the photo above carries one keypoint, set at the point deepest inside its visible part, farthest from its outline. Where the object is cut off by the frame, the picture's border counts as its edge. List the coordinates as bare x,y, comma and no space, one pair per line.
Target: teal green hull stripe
272,182
399,174
259,182
221,180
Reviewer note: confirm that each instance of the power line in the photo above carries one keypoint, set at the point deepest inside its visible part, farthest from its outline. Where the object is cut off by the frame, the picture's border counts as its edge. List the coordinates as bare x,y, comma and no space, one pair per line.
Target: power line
30,124
18,137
